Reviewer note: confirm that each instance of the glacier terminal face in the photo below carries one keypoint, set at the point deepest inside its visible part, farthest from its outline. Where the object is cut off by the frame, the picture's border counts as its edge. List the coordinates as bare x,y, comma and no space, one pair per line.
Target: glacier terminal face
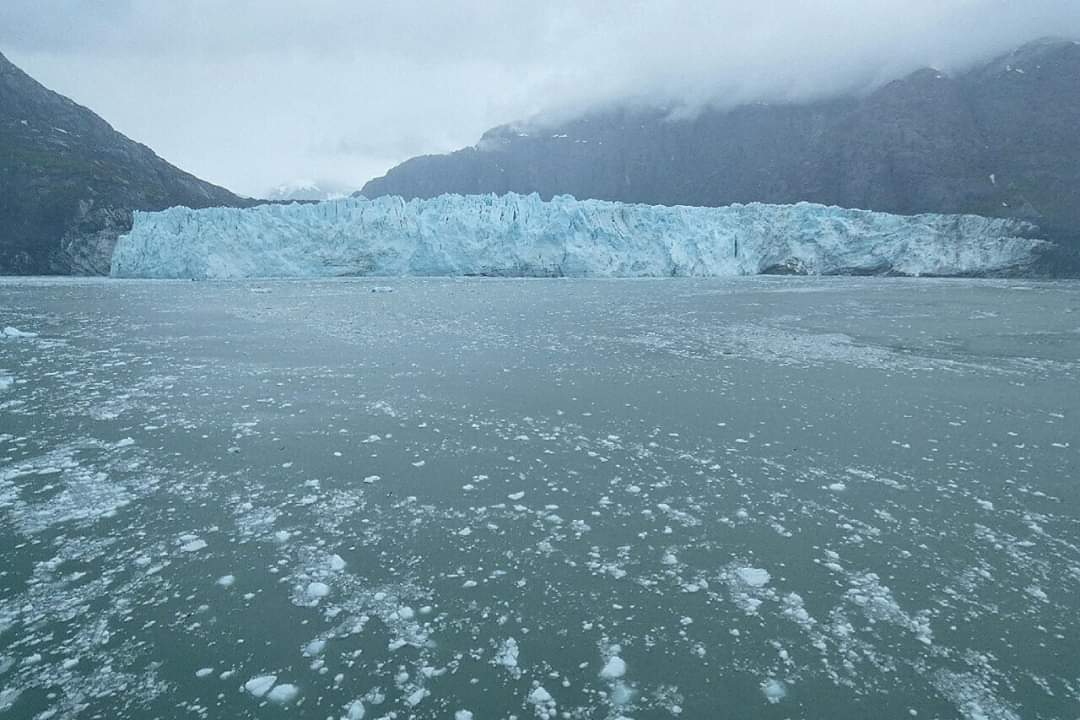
521,235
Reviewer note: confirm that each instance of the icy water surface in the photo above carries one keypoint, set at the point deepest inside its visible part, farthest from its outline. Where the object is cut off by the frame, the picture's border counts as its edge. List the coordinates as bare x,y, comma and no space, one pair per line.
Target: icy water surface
763,498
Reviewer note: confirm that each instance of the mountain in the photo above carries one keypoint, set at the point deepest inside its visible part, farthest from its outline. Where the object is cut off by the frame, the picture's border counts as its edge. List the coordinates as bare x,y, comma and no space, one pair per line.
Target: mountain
999,140
307,191
69,182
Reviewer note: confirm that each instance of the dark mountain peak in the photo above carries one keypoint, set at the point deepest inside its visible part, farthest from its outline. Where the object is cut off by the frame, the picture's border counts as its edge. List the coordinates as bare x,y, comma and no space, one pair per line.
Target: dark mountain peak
69,182
1046,53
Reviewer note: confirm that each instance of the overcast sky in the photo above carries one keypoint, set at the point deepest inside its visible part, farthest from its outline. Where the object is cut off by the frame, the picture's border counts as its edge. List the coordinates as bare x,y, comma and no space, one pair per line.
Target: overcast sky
254,93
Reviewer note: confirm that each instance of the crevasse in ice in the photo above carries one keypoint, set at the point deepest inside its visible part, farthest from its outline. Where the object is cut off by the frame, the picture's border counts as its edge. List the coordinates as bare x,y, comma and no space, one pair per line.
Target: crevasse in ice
522,235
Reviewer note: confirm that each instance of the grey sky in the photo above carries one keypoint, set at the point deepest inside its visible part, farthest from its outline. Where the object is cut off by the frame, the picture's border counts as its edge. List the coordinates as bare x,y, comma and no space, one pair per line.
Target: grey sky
253,93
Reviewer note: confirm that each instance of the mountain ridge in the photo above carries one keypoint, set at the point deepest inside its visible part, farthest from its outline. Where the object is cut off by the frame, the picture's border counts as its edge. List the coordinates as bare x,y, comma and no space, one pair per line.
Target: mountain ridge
69,182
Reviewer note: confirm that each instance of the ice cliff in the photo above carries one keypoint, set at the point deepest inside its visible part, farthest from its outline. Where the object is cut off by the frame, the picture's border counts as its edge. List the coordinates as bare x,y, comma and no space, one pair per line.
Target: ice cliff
523,235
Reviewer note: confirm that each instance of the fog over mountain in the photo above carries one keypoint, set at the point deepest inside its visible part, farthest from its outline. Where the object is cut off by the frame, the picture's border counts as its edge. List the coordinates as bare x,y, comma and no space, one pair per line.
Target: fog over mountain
998,140
253,95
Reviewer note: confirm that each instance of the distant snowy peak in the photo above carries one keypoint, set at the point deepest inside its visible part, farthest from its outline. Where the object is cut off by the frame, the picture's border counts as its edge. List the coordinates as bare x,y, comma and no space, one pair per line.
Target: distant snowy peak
307,191
521,235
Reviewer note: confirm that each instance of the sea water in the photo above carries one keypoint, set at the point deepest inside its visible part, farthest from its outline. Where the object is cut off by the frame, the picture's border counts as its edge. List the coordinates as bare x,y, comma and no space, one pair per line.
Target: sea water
754,498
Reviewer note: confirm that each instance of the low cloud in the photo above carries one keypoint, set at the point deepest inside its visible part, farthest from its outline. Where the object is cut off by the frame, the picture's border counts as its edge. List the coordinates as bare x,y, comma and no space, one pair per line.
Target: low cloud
255,93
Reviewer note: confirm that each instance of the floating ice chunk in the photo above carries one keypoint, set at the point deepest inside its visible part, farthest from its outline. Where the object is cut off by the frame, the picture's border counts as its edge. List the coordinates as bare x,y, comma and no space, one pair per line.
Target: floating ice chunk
508,656
837,487
8,696
543,704
204,672
621,693
317,590
774,690
12,332
516,496
315,647
354,711
416,697
754,577
337,563
614,668
463,715
878,603
283,694
226,580
193,545
6,381
372,479
259,686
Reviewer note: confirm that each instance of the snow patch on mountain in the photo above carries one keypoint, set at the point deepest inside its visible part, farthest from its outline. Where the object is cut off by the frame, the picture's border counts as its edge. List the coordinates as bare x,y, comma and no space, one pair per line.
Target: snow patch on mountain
522,235
306,191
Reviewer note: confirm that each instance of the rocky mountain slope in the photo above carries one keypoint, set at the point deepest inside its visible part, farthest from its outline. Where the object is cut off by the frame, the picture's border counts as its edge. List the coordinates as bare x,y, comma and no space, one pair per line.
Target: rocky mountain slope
1000,140
69,182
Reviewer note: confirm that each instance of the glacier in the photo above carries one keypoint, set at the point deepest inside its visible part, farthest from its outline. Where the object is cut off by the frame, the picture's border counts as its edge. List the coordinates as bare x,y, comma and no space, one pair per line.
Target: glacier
522,235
